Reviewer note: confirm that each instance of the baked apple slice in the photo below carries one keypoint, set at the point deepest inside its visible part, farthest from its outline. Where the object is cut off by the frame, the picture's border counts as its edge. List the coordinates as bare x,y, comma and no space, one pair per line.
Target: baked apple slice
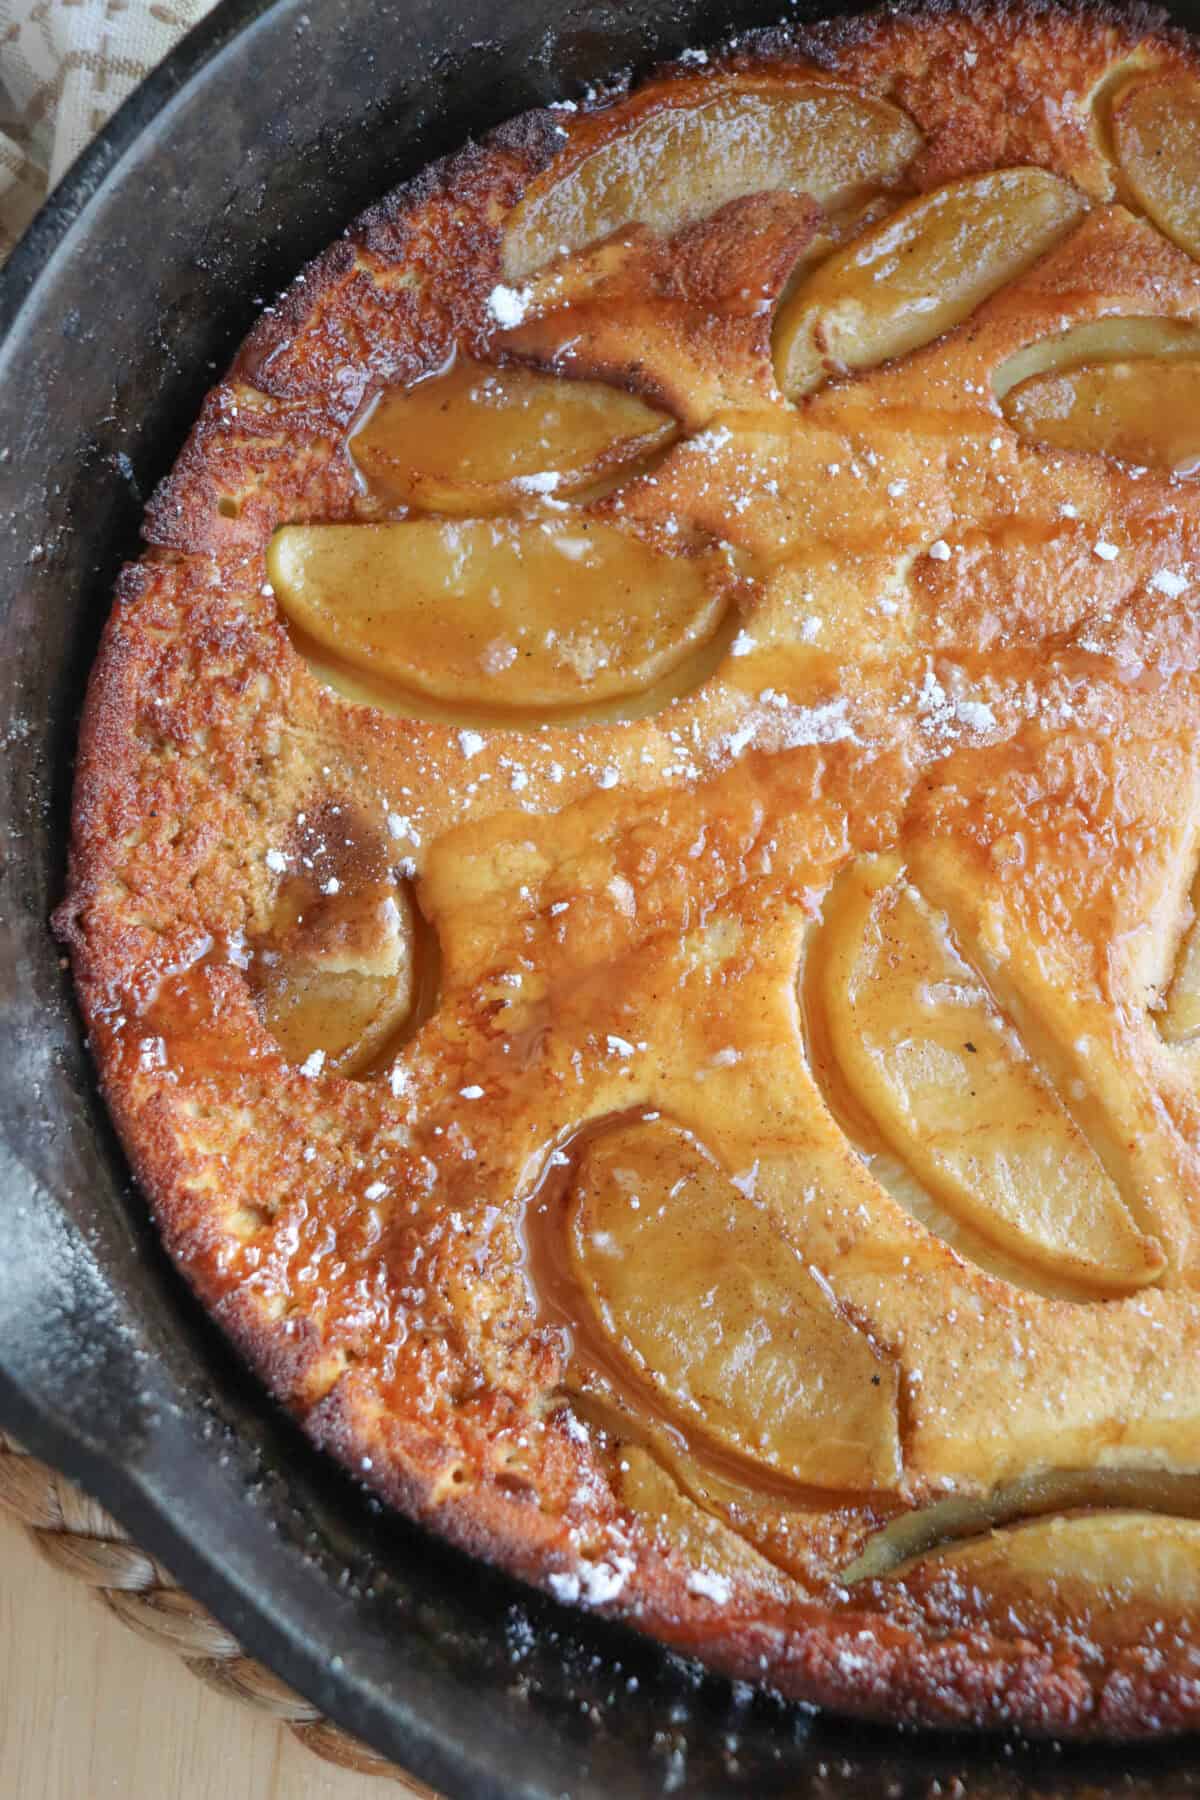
678,162
709,1305
939,1070
919,1539
1144,411
334,978
1116,1572
1156,136
505,613
1121,337
920,272
475,440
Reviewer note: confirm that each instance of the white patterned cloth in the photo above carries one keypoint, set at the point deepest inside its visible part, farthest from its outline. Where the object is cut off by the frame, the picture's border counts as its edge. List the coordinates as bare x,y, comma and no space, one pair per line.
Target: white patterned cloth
65,65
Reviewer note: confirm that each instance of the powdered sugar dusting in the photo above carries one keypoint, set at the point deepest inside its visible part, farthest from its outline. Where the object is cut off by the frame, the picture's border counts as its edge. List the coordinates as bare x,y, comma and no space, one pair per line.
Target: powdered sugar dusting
709,1586
508,305
776,722
544,482
592,1583
1169,582
946,708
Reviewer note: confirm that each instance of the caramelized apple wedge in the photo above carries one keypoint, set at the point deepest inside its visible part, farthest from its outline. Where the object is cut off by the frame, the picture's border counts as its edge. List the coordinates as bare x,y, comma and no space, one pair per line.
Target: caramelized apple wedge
1121,337
933,1062
1156,136
474,439
334,979
706,1301
515,613
911,1539
1145,411
1127,386
680,162
922,271
1118,1572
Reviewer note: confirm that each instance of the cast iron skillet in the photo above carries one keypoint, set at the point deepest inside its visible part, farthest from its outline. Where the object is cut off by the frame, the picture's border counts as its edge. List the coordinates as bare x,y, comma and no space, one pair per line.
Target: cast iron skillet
269,128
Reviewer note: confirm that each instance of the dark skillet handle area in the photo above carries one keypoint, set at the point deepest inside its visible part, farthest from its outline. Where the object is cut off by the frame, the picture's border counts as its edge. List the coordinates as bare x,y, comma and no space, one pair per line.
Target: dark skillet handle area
265,133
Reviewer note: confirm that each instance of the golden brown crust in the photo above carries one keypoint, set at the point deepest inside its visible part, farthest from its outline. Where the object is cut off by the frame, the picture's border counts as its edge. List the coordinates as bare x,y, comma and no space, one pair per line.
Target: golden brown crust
361,1241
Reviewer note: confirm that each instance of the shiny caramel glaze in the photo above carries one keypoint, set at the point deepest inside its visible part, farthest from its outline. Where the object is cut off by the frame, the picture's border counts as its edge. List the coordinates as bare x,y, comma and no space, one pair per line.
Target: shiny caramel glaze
957,647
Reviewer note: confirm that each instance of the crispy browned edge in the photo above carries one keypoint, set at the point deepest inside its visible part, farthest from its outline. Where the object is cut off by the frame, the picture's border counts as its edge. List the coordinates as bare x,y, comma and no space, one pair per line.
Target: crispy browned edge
332,328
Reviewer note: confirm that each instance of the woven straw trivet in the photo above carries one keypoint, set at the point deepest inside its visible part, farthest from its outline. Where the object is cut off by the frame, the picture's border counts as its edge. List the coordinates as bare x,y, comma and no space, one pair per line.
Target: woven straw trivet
76,1535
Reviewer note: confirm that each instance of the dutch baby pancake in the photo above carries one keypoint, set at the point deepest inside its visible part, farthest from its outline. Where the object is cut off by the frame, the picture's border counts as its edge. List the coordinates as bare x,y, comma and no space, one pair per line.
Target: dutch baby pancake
635,858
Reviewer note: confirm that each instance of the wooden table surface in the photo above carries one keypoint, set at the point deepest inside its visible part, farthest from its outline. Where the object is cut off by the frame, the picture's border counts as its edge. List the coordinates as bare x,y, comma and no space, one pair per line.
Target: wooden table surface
88,1711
